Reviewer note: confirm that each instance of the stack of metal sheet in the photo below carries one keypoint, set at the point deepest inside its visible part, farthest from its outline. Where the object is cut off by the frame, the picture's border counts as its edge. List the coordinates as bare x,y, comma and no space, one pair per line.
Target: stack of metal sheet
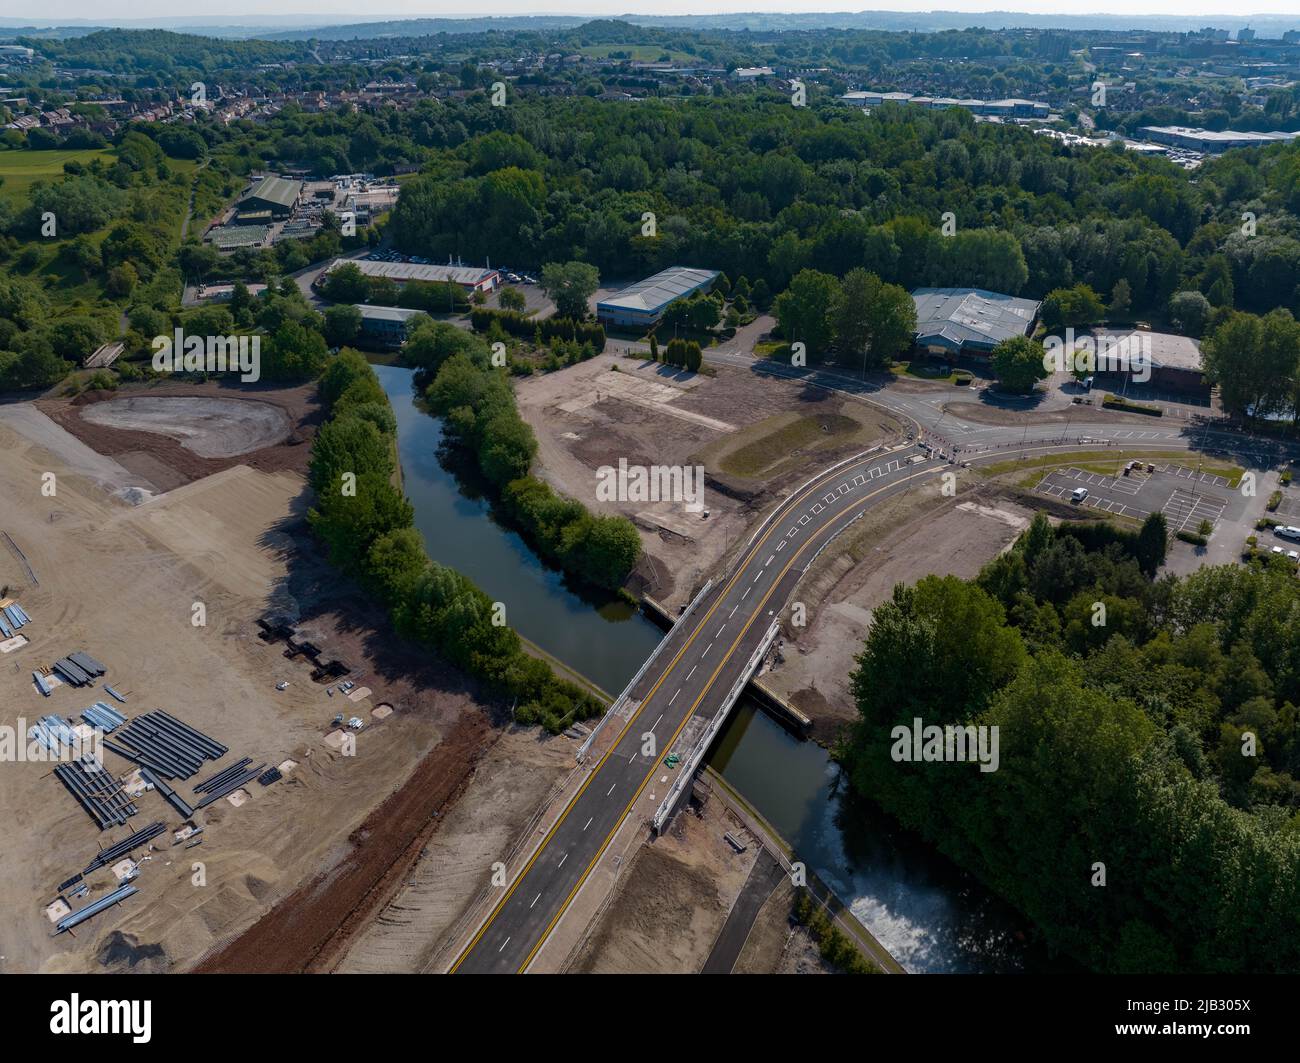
53,732
72,673
12,617
103,716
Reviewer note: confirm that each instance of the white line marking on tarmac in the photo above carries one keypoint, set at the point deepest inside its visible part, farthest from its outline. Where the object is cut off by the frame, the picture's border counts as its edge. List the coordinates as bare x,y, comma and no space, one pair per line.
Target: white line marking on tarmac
611,789
503,945
562,859
768,561
674,698
721,630
588,823
691,672
706,651
656,723
745,595
733,611
780,546
535,900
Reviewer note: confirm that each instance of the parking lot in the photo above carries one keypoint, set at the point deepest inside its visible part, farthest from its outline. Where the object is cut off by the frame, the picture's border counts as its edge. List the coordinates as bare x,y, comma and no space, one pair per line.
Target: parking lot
1184,495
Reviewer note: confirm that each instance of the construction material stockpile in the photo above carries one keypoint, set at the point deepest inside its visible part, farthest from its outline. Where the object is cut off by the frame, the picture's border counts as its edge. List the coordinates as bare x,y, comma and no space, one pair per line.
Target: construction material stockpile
79,669
12,617
227,781
97,791
103,716
168,747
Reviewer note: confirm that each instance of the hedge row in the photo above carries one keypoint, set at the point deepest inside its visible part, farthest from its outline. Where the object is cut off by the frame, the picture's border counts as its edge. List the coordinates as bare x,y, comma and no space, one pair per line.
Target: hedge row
517,324
1113,402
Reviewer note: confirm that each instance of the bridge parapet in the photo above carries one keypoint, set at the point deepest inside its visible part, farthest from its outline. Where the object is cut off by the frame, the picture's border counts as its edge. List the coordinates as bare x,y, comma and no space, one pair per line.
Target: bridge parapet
691,762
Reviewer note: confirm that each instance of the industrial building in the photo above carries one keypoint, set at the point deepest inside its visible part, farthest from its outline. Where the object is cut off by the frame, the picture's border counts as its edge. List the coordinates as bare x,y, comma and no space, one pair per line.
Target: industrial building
957,321
1014,108
1175,361
471,278
1210,141
641,305
270,199
386,325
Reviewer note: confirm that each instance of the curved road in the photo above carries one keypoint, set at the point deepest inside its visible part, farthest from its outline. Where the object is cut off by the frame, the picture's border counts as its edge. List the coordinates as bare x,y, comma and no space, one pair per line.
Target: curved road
703,657
705,653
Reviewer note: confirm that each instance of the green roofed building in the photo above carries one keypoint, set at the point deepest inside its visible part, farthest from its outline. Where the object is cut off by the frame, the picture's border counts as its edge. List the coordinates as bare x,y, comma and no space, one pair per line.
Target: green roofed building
279,195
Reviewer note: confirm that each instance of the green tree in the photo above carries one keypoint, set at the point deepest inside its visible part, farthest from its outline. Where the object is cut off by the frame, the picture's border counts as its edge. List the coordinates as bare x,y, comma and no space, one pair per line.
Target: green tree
804,311
1018,363
570,285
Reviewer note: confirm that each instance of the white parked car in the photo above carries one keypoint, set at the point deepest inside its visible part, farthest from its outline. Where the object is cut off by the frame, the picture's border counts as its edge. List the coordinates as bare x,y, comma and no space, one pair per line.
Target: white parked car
1078,494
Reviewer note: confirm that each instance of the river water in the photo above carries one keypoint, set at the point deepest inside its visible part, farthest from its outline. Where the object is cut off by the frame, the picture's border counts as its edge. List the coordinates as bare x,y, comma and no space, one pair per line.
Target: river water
930,915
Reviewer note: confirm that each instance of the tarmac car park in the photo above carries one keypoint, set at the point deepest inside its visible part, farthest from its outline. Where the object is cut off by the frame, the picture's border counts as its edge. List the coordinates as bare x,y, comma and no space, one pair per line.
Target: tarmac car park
1186,496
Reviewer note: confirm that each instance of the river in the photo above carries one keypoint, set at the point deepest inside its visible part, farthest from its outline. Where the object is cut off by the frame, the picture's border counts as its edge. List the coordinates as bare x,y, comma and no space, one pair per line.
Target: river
932,916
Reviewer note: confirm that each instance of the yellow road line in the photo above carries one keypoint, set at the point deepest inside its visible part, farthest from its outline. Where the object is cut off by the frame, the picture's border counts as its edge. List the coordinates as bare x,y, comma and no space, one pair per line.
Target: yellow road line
749,555
794,557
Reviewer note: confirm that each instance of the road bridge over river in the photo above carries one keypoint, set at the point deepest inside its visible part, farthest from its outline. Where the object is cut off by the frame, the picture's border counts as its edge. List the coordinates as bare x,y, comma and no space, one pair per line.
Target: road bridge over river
708,654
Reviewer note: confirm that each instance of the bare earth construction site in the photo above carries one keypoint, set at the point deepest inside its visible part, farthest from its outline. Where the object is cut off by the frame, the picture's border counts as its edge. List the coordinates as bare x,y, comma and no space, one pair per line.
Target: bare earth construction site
129,584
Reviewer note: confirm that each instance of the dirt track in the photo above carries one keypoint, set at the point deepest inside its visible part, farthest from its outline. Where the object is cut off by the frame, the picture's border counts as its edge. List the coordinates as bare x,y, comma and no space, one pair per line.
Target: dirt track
310,929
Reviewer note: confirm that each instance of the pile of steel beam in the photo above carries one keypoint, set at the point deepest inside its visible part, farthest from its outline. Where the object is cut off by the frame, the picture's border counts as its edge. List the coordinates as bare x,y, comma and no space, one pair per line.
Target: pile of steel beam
168,794
107,901
170,748
42,684
113,852
12,617
230,784
72,673
222,775
87,663
53,732
97,791
103,716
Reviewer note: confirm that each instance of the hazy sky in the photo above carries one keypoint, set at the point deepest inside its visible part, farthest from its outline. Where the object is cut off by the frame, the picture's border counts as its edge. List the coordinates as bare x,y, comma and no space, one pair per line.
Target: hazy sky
378,9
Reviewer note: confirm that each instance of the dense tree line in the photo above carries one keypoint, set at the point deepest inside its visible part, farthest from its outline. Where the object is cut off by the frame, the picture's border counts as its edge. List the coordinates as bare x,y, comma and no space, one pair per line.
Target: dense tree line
1155,751
366,524
478,406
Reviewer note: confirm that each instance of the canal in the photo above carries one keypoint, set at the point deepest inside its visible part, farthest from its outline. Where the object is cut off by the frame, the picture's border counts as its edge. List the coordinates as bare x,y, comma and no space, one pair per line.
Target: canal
932,916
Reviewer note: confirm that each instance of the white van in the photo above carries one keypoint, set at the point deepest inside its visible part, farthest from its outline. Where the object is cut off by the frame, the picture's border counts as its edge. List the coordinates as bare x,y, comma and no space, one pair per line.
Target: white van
1288,531
1078,494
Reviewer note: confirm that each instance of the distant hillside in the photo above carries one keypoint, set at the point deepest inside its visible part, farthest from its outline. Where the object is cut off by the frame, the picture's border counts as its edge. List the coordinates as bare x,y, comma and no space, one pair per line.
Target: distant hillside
1271,26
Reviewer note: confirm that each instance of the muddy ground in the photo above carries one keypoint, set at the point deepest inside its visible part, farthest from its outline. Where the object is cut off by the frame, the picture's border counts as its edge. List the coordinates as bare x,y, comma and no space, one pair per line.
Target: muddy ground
672,903
611,408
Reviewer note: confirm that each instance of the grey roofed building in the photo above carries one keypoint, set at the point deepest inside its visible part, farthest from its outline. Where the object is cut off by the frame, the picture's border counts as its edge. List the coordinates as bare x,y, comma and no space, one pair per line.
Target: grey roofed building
468,277
643,303
276,194
969,320
387,324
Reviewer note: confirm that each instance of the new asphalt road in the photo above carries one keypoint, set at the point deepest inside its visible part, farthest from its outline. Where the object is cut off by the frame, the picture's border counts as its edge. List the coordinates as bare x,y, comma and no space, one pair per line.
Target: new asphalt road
704,655
706,652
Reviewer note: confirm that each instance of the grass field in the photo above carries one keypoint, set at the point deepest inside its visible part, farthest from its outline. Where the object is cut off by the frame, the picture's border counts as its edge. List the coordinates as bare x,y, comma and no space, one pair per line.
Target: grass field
20,169
781,436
